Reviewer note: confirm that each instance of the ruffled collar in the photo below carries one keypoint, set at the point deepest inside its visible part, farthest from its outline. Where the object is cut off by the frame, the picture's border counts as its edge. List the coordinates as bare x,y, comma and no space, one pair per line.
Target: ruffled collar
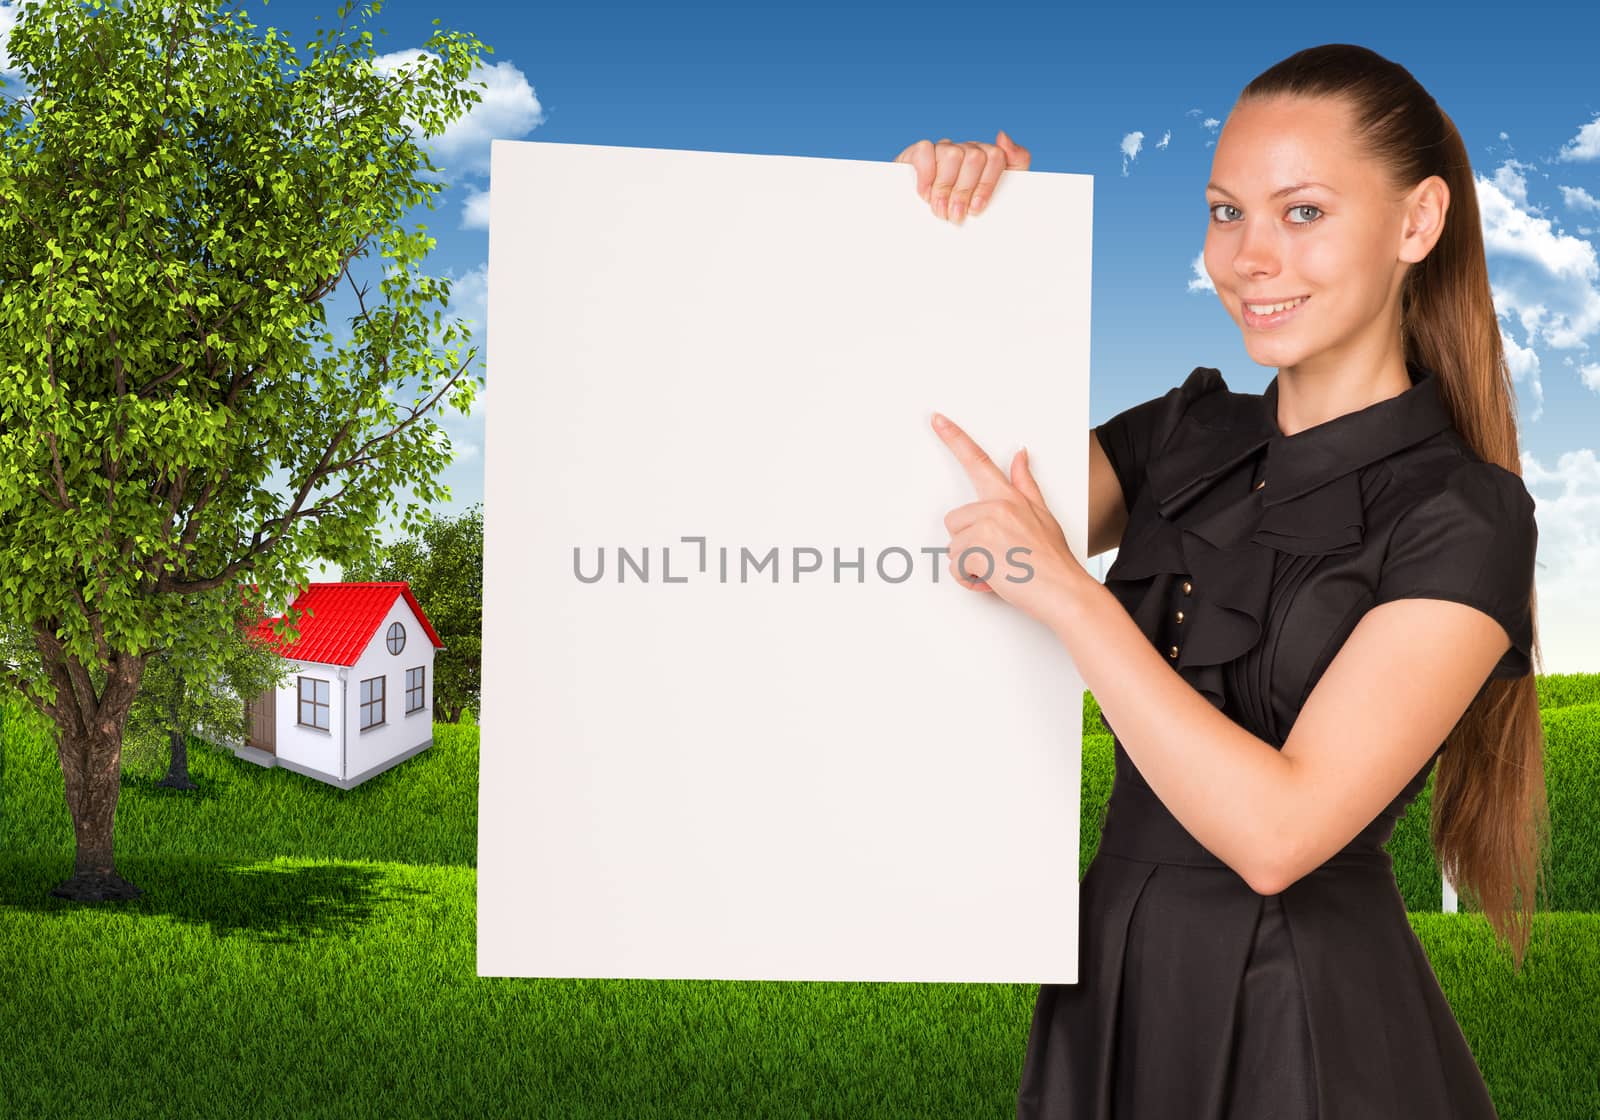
1222,429
1207,521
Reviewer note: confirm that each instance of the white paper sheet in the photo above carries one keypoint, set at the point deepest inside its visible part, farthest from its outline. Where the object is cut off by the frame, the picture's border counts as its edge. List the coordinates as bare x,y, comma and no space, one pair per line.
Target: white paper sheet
868,777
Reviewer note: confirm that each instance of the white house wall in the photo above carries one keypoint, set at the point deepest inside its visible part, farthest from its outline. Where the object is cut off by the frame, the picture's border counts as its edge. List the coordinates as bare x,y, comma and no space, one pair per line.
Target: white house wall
310,747
400,732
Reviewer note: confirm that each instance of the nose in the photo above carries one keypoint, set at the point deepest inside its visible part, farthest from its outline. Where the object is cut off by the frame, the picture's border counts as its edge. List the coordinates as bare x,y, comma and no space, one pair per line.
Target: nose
1256,251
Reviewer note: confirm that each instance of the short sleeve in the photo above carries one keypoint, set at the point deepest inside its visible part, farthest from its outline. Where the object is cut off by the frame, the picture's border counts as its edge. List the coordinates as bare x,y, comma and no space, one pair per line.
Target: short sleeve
1473,542
1133,436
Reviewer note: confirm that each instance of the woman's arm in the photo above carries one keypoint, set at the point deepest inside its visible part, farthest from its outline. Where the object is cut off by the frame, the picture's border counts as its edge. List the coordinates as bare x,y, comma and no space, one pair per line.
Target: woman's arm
1108,509
1368,727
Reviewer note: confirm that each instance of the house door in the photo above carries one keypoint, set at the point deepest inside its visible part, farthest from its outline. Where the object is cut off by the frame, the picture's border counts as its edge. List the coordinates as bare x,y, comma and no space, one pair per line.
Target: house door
262,716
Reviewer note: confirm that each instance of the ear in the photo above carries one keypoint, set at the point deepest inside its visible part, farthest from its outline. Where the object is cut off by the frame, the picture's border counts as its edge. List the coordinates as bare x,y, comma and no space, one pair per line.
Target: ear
1425,209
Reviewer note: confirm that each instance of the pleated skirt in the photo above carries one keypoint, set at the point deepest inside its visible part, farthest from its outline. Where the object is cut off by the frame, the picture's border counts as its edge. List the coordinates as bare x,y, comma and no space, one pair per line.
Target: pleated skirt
1199,999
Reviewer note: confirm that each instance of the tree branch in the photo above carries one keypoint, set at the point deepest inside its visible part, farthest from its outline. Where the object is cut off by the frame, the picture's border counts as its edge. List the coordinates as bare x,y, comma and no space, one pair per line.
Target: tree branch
324,468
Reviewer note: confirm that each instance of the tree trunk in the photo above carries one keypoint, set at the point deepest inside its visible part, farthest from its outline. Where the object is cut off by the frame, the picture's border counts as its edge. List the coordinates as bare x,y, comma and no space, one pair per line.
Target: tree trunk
92,766
89,745
178,769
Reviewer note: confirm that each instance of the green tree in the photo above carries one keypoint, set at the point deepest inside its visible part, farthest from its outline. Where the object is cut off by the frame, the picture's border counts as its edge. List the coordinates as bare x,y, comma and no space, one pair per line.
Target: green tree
193,687
179,194
445,570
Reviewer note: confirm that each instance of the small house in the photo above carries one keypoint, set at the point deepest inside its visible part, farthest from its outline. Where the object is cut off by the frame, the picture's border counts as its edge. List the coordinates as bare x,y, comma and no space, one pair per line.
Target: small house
359,698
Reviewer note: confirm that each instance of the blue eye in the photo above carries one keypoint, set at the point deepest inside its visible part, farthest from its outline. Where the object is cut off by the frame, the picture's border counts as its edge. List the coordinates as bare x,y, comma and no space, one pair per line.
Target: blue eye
1223,205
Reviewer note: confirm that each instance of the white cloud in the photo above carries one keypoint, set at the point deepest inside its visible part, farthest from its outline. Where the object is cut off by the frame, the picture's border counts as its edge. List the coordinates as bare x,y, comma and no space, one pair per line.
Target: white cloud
1131,143
1523,362
1165,137
509,108
1590,375
1549,280
8,20
1577,198
469,301
1508,177
1567,496
1585,145
1201,280
1212,123
475,209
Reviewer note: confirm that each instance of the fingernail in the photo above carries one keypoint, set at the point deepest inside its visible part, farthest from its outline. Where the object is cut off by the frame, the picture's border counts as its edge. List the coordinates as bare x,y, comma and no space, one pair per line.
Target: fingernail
956,209
977,204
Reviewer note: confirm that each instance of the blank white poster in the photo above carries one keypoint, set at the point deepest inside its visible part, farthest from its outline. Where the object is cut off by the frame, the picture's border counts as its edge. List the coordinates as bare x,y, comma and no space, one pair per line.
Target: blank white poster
738,720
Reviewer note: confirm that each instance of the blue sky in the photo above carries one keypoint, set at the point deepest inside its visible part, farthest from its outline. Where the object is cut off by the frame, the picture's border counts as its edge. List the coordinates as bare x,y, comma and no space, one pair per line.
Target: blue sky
1072,83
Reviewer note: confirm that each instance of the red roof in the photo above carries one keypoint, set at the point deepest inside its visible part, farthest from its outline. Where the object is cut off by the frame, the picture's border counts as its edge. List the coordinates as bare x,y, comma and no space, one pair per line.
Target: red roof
340,619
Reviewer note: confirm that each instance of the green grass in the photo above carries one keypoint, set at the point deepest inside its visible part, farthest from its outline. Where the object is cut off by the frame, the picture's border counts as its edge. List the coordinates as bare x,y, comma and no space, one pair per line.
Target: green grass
302,951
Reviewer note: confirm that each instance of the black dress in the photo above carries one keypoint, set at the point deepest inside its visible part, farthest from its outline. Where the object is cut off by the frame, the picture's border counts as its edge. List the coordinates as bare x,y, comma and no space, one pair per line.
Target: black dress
1248,558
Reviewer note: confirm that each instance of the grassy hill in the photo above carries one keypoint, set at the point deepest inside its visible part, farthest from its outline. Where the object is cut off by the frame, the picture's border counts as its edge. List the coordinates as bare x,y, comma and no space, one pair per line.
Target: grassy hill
304,951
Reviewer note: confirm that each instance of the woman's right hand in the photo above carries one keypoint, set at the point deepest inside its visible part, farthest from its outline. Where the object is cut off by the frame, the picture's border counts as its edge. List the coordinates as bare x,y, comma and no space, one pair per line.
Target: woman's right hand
956,179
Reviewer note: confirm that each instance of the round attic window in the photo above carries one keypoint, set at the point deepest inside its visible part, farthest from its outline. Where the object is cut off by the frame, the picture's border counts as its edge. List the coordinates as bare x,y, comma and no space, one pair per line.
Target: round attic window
397,637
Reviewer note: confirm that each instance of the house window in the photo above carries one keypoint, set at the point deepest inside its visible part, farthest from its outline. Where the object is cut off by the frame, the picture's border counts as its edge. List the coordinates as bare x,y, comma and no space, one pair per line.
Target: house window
313,702
415,689
396,638
371,702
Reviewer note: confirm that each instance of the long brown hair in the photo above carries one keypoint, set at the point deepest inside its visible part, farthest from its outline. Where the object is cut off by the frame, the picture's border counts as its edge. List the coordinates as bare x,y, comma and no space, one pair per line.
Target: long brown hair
1490,825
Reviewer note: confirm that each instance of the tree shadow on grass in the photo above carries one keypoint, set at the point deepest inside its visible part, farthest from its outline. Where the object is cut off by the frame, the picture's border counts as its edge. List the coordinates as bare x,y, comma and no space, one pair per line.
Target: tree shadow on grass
271,902
207,787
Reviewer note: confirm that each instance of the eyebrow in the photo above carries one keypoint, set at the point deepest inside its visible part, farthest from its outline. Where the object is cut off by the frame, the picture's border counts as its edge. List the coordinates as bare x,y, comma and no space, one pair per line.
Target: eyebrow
1290,189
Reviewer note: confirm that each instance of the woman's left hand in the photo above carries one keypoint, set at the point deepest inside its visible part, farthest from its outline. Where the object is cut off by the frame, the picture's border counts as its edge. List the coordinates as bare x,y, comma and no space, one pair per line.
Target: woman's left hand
1018,549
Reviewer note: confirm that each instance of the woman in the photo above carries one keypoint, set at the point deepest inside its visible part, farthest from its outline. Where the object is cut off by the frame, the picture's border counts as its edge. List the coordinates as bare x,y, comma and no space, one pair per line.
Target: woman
1340,572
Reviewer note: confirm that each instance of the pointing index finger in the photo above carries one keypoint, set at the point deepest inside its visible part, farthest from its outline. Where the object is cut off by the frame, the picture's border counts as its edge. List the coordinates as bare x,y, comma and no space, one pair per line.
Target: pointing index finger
989,479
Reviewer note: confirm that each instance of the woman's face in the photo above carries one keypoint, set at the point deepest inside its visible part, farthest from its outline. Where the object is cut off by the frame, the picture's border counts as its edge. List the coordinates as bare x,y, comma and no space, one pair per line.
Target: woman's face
1334,241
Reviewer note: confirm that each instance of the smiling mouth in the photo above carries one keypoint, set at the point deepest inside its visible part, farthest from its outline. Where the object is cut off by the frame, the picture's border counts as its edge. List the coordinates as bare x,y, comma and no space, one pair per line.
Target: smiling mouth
1272,313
